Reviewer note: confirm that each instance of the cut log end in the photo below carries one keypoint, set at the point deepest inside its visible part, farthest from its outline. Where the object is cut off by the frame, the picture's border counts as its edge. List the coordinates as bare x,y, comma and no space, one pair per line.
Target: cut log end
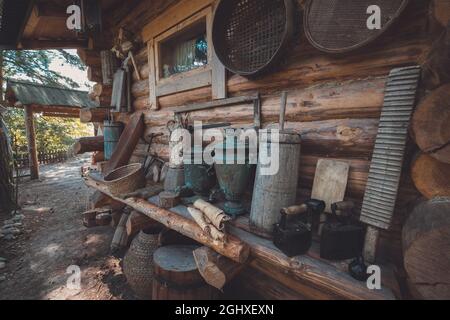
426,248
430,124
89,144
431,177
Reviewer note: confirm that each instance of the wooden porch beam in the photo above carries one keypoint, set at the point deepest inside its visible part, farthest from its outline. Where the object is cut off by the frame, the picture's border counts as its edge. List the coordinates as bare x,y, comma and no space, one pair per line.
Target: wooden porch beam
60,115
31,139
56,109
53,44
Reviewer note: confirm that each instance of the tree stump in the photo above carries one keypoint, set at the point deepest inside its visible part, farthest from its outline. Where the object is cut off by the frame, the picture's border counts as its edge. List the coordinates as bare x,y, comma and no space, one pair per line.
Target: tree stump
426,248
176,276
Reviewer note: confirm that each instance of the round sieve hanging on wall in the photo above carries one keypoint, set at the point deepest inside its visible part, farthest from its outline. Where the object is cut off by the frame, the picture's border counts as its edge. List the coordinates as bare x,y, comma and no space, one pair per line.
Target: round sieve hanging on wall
249,36
339,26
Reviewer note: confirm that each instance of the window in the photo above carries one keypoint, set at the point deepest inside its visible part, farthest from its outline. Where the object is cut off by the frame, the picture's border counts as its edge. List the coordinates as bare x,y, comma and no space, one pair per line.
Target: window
185,51
180,52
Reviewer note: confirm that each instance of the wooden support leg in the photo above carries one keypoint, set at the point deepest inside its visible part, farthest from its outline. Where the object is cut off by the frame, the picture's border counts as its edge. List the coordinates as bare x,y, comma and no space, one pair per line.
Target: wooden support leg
371,243
31,139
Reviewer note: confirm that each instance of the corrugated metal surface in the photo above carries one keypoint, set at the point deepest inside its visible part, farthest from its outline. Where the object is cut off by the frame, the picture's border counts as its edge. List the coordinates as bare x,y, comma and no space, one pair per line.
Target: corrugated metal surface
32,93
387,160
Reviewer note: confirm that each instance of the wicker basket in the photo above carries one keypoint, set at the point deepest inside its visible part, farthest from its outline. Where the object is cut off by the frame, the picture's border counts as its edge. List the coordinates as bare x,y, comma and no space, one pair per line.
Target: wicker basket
138,263
126,179
249,36
338,26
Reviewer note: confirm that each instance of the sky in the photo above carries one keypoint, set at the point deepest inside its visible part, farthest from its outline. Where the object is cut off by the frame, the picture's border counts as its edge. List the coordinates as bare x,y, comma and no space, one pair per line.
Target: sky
78,76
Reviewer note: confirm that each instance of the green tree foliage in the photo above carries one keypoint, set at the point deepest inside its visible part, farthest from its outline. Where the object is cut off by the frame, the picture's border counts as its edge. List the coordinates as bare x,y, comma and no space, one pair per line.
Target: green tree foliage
51,133
35,65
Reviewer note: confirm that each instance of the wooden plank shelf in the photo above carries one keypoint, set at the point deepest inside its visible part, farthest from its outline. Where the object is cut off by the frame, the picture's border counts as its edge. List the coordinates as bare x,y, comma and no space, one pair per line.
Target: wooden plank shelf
308,275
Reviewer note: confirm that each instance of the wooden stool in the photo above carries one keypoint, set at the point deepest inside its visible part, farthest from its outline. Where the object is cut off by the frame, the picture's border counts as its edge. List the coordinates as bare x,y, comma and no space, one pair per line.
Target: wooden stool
176,276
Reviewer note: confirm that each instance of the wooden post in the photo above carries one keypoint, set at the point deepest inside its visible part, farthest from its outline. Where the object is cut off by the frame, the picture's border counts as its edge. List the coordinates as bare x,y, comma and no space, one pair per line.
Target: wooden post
31,139
371,244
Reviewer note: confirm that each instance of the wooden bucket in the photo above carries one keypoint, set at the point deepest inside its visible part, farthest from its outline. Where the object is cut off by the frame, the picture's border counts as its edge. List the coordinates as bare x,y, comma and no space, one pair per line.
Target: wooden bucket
273,192
176,276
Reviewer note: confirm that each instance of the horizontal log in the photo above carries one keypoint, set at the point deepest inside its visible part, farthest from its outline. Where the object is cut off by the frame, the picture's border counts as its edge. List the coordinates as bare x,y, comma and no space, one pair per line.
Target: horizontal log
144,72
232,248
346,137
304,271
140,88
137,222
89,115
436,66
335,100
306,66
98,157
141,57
91,58
253,284
142,103
99,90
430,176
94,74
441,11
88,144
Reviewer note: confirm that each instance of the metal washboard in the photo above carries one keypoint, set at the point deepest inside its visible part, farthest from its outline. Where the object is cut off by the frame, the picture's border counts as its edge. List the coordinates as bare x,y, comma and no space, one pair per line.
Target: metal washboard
385,170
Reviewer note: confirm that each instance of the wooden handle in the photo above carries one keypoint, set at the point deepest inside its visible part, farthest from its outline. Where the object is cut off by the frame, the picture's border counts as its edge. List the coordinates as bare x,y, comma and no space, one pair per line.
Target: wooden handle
283,109
294,210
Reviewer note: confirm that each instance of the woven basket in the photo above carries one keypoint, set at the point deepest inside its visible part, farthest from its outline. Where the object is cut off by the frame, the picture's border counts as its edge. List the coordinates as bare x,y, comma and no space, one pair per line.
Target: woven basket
138,263
126,179
249,36
339,26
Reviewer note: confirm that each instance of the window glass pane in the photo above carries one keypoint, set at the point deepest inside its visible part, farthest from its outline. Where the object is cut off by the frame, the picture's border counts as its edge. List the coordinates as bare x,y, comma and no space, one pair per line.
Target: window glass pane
185,51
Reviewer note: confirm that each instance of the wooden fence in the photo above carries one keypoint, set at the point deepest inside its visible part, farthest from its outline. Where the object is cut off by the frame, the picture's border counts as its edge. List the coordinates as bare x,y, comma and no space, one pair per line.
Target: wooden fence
43,158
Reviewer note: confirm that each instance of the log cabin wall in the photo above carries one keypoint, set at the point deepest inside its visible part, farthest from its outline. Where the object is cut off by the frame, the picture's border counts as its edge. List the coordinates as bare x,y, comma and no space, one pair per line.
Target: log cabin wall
334,101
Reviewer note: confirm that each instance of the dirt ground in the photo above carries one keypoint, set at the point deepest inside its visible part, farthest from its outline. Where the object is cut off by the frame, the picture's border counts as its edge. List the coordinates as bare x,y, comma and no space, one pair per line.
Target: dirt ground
52,238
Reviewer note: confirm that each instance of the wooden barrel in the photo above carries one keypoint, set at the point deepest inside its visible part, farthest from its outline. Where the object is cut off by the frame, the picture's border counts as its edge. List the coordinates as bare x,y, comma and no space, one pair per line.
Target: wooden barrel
111,132
275,191
176,276
426,249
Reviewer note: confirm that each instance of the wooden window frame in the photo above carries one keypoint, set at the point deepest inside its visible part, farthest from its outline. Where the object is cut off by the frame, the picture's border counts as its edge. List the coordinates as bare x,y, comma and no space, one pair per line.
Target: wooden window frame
213,74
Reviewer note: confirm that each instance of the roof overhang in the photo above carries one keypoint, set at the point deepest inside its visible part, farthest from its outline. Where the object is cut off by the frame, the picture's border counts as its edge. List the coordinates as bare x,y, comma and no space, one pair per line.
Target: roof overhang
14,15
